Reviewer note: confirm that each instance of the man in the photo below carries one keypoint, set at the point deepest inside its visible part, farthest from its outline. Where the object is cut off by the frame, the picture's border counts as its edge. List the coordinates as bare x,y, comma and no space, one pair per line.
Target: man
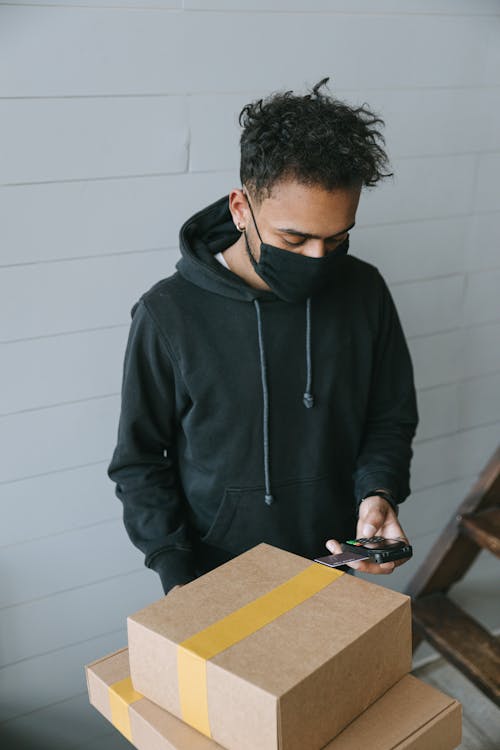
268,390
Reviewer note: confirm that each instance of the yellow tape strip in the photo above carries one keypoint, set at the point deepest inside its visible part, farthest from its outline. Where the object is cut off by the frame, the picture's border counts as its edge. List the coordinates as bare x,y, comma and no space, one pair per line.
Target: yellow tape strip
192,675
121,695
193,652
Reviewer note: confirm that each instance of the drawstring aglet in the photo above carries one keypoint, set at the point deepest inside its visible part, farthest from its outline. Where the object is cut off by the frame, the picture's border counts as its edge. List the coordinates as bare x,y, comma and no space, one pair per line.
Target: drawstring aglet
308,400
269,499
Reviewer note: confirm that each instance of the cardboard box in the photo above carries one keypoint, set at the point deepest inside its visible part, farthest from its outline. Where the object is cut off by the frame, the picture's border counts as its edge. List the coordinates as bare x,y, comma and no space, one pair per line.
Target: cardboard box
409,716
255,653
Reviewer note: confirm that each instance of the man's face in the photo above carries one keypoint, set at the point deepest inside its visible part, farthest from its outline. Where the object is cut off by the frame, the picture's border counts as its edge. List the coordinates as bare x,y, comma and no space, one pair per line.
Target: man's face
302,219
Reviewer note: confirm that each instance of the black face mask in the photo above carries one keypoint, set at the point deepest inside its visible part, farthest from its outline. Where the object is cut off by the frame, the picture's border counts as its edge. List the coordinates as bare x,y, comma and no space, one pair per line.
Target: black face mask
294,277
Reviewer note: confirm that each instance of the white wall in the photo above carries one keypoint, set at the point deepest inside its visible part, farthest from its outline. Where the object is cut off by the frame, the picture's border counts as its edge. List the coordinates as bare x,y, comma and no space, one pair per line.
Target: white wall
116,123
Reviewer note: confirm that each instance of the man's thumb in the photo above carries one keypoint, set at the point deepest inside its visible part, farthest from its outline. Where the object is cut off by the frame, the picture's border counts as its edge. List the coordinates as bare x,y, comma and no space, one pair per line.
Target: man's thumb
368,530
370,521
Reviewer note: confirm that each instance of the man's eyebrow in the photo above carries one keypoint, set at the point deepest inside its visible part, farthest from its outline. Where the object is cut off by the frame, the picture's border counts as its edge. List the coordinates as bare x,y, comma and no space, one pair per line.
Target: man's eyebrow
313,236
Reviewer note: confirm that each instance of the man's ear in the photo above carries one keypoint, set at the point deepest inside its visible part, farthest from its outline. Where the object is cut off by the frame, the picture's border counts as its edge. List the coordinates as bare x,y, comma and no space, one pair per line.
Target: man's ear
238,205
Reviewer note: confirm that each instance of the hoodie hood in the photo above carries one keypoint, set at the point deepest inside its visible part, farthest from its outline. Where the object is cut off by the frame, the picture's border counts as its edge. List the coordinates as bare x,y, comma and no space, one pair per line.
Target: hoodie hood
205,234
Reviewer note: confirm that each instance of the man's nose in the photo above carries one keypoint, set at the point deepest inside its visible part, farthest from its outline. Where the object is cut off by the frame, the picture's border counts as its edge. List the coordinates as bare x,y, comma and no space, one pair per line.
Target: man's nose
315,249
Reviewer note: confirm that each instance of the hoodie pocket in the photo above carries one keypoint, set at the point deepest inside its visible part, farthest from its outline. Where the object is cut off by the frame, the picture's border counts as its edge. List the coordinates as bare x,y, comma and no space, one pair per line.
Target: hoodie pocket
306,513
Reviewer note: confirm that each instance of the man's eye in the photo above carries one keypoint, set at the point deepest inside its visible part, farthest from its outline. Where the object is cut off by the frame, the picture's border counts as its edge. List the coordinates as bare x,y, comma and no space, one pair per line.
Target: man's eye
294,244
337,242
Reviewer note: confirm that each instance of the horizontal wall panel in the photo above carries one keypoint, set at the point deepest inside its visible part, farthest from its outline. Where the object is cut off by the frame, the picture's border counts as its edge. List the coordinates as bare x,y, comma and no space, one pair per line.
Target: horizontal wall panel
413,249
451,7
435,121
453,457
60,726
89,611
470,43
152,51
479,400
58,502
403,197
80,434
482,297
108,287
442,308
64,561
119,4
483,242
476,446
57,369
427,511
75,219
52,677
142,213
448,357
214,128
434,461
438,410
487,198
66,139
105,51
418,122
480,351
28,453
86,293
437,359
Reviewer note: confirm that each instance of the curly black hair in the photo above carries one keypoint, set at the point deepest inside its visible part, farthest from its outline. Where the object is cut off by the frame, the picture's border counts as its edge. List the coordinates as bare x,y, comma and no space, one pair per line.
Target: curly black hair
314,139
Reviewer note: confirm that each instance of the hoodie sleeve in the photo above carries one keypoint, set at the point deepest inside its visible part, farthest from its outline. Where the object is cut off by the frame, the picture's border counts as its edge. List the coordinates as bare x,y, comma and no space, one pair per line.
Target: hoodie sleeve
392,418
142,465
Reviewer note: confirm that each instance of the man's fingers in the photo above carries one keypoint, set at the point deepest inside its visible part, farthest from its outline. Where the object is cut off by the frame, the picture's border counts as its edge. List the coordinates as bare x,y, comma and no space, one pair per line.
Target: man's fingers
393,530
370,567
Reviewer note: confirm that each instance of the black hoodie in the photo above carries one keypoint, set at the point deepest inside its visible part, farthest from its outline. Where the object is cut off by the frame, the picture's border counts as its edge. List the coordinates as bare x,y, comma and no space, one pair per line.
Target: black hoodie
218,445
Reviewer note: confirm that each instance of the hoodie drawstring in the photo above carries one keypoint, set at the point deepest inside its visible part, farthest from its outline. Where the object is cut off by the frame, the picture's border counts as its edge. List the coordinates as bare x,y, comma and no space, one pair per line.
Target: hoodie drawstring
263,373
308,398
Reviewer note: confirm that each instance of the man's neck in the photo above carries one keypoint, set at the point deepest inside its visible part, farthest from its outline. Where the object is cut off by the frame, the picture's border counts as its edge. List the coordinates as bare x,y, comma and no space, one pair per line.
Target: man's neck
238,261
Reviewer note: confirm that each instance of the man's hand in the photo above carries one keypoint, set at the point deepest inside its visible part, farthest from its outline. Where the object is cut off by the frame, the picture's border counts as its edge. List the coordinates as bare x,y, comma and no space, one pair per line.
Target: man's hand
376,518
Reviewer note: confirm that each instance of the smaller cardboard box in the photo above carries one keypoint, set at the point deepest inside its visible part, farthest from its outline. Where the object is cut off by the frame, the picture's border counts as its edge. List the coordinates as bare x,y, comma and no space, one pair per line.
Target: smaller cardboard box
255,653
409,716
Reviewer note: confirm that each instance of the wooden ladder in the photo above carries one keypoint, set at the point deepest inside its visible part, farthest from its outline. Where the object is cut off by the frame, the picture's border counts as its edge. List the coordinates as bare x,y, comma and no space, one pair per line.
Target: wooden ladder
454,633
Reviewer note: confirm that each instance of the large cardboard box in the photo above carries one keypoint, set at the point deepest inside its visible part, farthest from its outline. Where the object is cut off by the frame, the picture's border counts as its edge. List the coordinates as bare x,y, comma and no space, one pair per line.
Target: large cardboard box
409,716
255,653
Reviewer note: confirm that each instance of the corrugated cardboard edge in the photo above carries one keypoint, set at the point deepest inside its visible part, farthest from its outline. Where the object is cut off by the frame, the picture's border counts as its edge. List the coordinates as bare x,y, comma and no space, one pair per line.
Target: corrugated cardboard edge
149,723
438,732
105,658
97,689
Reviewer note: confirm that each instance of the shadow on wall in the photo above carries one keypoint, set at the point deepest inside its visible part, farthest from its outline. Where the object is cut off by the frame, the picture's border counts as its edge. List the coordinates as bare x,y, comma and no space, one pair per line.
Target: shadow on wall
23,740
56,736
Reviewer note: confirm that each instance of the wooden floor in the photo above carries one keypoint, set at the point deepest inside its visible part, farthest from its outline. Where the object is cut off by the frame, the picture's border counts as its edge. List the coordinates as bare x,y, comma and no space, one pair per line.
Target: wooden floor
481,717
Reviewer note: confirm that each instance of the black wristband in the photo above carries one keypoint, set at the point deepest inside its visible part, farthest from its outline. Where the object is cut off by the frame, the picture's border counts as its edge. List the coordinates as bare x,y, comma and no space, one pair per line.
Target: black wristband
386,495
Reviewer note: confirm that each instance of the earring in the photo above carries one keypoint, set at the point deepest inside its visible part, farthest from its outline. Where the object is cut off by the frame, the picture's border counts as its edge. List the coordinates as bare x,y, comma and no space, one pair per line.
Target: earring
240,229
